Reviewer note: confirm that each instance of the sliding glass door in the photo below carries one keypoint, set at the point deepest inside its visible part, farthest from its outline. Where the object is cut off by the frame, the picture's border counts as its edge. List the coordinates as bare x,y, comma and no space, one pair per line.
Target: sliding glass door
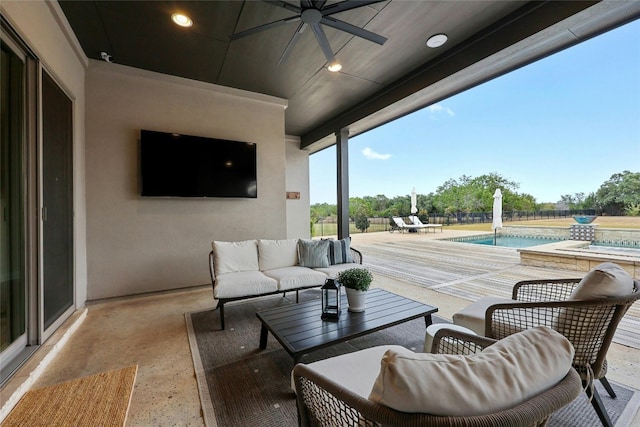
57,196
36,203
13,283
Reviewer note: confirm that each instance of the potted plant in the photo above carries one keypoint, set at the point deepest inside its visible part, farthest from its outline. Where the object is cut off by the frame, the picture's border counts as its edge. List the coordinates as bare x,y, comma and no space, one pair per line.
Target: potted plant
356,282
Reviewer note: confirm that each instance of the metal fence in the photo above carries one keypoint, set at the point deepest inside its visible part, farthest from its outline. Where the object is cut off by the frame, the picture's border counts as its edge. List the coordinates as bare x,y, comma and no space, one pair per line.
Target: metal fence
483,217
329,226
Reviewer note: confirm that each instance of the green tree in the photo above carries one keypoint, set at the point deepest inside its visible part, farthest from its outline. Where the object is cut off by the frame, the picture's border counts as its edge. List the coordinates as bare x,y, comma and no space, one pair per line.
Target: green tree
362,222
578,201
468,194
618,192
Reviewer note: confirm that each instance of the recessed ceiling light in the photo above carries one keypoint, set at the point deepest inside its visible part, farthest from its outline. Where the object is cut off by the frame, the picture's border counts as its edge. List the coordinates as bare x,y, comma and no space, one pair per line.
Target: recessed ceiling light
334,67
437,40
182,20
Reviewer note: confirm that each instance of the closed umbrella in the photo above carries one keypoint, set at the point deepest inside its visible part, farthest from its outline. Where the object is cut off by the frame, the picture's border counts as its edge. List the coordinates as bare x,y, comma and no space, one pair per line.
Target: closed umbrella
497,213
414,201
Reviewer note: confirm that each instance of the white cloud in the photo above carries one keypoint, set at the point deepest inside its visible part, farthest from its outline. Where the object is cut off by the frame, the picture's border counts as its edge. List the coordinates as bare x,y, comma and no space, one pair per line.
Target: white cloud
372,155
437,109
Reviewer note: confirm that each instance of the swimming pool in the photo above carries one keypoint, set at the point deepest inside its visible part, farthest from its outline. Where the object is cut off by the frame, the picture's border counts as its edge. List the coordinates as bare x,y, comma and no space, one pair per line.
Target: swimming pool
506,241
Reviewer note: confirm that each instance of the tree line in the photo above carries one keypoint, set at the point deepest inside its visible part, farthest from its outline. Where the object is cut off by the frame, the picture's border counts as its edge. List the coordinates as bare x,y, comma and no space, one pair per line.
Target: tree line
619,195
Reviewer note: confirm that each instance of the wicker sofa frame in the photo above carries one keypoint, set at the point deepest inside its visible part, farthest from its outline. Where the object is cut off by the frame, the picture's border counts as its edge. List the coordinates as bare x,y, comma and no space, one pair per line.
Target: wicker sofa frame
588,324
322,402
356,256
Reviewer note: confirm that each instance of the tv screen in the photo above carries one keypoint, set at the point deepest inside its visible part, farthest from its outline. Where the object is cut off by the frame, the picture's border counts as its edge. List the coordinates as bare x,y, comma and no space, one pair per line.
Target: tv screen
174,165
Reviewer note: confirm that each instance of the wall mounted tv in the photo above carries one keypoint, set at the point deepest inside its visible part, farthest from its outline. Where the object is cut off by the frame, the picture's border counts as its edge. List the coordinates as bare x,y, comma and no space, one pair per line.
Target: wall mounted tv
174,165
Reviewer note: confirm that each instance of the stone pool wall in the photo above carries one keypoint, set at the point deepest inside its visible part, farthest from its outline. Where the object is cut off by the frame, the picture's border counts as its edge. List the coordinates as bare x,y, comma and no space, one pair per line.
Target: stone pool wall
573,255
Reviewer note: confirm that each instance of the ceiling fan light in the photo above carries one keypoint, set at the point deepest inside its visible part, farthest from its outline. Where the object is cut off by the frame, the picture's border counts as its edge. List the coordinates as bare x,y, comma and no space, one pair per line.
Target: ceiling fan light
182,20
334,67
437,40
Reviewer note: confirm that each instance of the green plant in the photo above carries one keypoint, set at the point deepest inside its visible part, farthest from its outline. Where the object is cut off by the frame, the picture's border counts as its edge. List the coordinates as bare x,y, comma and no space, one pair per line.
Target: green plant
355,278
632,210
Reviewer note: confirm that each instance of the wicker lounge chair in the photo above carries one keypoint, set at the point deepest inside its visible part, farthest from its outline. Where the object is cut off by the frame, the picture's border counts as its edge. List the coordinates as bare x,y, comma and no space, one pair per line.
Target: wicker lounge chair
588,324
323,402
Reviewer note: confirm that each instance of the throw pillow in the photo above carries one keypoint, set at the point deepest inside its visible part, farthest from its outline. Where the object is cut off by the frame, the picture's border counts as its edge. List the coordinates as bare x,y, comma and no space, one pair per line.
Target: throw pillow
277,253
603,281
230,257
502,376
339,251
313,253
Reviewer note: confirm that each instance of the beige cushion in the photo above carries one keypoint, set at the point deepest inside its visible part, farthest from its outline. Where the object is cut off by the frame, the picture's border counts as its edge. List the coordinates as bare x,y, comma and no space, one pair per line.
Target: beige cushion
231,257
603,281
354,371
243,283
296,277
313,253
277,253
472,316
502,376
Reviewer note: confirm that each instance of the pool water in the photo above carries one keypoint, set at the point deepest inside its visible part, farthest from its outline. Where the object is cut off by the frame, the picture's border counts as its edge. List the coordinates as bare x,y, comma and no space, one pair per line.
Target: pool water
508,241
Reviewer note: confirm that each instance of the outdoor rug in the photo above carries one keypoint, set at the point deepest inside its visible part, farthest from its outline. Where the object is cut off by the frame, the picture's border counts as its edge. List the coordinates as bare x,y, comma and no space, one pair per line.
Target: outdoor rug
241,385
97,400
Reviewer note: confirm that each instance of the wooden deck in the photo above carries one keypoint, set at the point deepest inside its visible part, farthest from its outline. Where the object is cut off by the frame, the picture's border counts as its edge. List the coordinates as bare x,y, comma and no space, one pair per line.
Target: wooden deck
470,272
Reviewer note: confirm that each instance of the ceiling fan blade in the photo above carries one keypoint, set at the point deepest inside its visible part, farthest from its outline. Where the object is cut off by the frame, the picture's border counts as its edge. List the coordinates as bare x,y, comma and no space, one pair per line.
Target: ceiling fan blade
347,5
323,42
260,28
319,4
292,42
284,4
352,29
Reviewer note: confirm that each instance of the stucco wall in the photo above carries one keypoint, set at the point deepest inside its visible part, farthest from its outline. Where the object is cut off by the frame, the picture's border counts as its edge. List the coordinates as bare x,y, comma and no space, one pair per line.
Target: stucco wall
39,24
297,181
137,245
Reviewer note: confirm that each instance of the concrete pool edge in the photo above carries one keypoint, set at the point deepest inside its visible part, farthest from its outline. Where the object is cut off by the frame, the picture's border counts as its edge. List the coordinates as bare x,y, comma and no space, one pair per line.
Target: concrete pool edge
573,255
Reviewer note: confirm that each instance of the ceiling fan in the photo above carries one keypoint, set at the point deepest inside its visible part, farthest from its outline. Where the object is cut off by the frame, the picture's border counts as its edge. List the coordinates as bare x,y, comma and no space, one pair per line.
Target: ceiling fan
315,13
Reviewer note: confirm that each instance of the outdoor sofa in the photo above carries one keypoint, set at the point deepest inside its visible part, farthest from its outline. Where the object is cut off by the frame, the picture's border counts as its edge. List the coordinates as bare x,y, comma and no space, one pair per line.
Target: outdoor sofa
255,268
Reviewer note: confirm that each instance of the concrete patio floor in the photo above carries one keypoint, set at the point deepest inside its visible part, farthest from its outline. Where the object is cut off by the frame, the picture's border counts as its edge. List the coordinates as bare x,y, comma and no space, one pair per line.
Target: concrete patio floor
150,330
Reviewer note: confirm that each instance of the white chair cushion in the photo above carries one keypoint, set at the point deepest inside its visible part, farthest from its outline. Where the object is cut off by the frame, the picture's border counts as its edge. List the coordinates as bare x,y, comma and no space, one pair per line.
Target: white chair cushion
243,283
355,371
231,257
603,281
313,253
472,316
333,270
277,253
296,277
502,376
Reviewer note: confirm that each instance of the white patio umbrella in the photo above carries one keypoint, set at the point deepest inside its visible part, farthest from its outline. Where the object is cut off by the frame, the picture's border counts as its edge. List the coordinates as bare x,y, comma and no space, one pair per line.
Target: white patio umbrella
414,201
497,213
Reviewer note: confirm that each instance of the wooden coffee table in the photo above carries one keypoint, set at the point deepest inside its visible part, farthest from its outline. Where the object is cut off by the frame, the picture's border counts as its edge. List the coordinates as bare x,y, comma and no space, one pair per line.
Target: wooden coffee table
300,330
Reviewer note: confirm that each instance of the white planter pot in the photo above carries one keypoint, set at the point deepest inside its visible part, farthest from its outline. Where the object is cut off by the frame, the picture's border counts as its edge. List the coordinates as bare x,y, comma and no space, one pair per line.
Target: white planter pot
356,300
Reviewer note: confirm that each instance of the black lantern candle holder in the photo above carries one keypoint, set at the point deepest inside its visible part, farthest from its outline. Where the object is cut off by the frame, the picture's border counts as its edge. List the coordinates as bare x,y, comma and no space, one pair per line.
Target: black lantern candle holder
331,300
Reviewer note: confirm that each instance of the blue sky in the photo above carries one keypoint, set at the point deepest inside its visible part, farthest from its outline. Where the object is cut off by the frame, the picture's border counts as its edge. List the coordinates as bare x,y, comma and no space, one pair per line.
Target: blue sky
562,125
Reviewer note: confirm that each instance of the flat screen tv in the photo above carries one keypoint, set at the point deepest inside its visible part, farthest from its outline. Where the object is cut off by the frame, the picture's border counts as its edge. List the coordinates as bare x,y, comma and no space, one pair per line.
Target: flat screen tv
174,165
